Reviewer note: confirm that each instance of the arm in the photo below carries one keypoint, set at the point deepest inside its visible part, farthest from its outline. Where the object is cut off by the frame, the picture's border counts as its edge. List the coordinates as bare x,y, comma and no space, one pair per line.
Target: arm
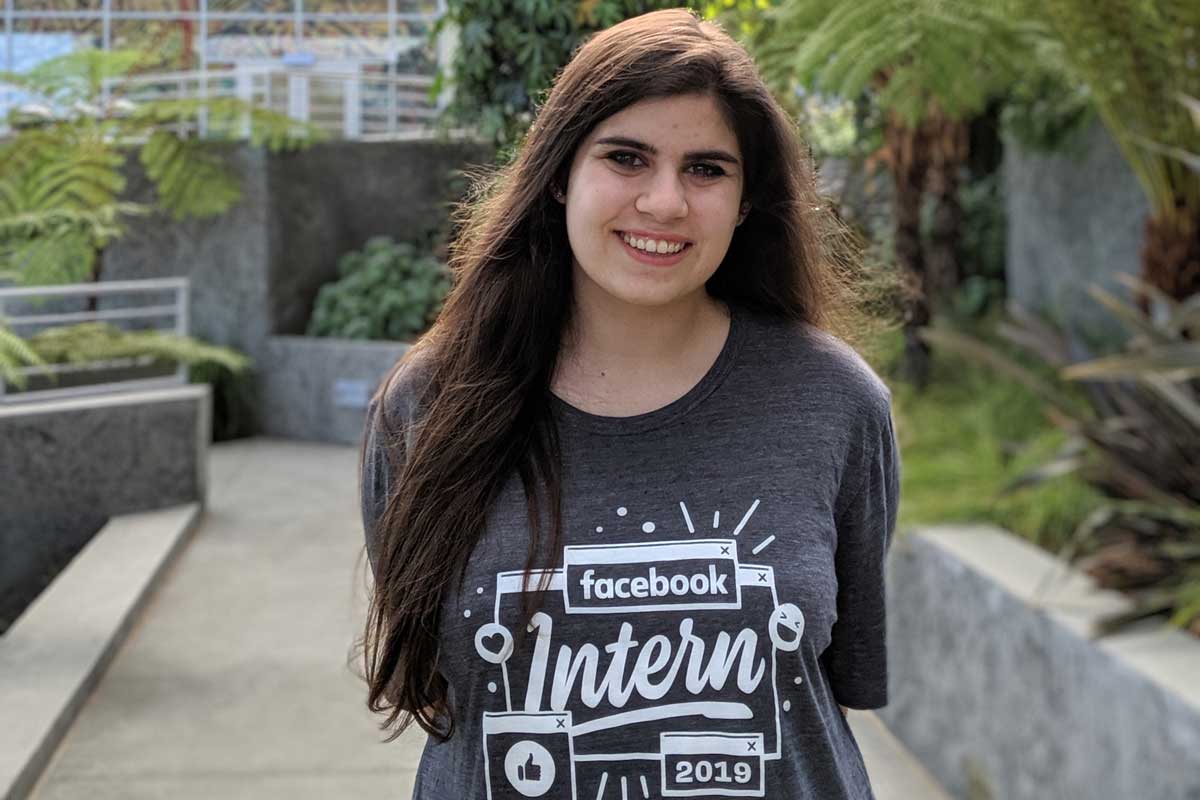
856,658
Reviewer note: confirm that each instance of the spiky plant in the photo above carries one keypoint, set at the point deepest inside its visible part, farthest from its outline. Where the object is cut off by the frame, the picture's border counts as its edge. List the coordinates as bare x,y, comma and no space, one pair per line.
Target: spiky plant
931,65
1137,439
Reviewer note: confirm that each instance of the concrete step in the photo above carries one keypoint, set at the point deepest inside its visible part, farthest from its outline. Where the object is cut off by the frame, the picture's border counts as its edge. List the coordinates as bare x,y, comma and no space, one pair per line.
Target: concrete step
895,772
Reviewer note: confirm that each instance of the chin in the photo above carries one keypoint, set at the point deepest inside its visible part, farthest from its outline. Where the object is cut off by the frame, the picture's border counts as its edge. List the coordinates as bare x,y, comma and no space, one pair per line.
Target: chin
650,297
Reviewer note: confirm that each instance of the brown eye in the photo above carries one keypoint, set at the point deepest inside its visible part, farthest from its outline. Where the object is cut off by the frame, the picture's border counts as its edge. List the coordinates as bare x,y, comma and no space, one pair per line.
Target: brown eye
708,170
620,157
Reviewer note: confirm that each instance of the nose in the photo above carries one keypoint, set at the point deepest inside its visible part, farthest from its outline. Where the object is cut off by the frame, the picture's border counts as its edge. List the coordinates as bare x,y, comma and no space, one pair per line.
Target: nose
664,198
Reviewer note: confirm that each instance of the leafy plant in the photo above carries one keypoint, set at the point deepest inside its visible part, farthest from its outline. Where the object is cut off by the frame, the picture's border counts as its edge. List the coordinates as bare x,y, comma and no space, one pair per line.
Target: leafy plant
930,66
101,342
387,290
15,353
1136,59
62,176
62,180
508,54
983,248
1047,108
1137,440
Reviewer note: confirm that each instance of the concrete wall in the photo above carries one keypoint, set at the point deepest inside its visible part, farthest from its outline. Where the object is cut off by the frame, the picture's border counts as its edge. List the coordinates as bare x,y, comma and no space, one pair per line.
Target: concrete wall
256,270
69,465
999,688
1074,218
225,257
317,389
332,198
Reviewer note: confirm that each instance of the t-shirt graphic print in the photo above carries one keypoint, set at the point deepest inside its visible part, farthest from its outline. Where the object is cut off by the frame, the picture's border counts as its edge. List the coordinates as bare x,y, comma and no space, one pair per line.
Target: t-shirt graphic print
660,651
717,593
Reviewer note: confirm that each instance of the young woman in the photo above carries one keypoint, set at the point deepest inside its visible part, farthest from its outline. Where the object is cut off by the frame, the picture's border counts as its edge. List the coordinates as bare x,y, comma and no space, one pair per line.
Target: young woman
627,503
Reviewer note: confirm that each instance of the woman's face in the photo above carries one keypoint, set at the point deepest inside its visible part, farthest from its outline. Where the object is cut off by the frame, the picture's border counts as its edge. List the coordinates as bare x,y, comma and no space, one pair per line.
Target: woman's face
666,171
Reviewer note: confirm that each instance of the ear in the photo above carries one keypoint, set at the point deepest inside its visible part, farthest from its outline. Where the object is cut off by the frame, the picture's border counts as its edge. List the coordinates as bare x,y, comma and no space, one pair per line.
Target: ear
743,212
558,194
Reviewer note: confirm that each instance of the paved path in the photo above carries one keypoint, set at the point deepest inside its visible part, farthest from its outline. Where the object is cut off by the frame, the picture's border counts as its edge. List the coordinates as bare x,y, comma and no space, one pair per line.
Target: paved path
235,684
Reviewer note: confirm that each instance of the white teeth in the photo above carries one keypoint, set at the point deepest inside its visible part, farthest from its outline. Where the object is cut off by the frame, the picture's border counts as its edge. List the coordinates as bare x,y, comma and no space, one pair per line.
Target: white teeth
659,246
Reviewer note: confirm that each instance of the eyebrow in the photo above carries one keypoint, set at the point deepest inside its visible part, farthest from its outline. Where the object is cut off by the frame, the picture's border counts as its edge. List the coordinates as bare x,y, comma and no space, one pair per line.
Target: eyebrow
695,155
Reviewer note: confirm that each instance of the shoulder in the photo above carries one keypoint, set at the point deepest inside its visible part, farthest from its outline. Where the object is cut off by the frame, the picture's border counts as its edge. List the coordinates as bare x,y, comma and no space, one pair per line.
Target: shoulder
403,389
813,365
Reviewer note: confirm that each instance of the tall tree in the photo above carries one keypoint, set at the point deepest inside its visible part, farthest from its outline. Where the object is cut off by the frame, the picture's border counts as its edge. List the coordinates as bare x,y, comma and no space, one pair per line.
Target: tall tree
931,65
62,178
1138,59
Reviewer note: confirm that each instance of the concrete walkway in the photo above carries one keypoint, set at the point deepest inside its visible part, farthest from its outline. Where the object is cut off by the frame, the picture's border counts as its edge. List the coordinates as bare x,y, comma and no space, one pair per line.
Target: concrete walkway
235,684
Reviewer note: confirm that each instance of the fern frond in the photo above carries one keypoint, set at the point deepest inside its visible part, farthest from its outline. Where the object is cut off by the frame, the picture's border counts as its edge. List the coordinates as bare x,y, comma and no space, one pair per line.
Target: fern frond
959,54
14,354
68,257
100,341
75,76
189,181
225,114
1135,58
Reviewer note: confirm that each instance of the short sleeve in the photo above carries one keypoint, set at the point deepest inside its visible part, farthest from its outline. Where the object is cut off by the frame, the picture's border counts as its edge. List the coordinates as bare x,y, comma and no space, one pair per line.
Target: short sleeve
856,658
374,485
387,437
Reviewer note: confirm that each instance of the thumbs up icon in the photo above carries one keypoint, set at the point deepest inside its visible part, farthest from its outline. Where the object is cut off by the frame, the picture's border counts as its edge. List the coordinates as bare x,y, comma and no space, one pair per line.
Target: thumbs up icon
529,771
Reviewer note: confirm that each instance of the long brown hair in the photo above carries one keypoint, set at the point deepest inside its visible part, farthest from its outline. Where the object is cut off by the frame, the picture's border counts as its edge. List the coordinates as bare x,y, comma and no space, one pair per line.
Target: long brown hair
486,364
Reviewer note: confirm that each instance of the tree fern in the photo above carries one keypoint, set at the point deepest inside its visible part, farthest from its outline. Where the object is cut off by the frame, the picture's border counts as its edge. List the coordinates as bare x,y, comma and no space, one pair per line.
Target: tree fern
62,180
960,54
1138,58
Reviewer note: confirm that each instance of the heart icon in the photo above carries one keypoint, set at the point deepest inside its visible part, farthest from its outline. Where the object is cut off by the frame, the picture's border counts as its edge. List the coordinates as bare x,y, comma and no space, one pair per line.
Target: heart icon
494,643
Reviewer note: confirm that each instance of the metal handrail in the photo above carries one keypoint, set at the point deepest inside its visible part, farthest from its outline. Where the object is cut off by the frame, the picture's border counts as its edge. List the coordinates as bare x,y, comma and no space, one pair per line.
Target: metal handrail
196,84
105,287
177,310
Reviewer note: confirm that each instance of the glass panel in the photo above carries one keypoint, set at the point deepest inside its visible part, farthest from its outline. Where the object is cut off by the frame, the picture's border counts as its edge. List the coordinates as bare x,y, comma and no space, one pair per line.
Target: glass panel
267,6
58,5
342,40
174,6
346,6
35,35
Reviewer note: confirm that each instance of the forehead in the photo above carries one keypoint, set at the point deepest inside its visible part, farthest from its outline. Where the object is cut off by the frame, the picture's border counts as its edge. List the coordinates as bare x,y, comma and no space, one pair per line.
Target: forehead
675,123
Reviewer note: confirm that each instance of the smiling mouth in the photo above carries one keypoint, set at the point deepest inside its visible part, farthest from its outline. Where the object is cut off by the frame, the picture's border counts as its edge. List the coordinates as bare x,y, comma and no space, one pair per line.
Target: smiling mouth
625,239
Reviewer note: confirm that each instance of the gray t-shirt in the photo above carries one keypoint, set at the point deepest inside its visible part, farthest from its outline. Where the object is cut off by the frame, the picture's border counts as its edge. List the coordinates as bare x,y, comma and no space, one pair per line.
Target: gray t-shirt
720,592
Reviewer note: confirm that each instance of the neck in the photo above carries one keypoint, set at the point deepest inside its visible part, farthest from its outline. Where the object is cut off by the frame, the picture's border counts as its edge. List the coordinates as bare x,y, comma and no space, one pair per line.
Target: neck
610,336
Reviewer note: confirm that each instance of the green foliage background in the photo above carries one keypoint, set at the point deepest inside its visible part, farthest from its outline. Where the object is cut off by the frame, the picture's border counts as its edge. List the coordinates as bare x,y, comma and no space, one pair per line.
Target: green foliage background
387,290
509,52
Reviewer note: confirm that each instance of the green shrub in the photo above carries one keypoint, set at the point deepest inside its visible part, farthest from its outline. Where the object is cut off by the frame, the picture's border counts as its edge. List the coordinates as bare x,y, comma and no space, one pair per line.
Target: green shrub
388,290
983,247
508,54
